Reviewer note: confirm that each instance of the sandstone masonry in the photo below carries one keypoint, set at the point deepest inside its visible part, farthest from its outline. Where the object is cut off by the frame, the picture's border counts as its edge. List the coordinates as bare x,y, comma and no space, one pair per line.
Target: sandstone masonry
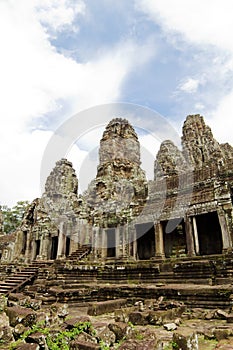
184,212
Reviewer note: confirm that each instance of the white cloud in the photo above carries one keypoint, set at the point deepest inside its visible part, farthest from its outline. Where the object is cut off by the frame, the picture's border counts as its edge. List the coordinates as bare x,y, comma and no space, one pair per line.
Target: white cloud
199,107
35,78
221,121
59,15
201,22
189,86
20,156
207,26
149,148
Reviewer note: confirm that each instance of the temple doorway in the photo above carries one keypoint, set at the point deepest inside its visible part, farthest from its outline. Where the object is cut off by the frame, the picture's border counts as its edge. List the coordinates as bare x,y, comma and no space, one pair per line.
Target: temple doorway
54,248
67,245
209,234
111,242
37,248
145,238
174,238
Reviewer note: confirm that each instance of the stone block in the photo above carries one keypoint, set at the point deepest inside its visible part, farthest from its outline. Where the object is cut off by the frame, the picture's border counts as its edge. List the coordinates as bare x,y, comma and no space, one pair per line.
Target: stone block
220,334
19,330
121,315
104,307
120,329
28,346
133,344
37,338
104,333
170,326
71,322
138,318
185,339
22,315
82,345
230,318
6,334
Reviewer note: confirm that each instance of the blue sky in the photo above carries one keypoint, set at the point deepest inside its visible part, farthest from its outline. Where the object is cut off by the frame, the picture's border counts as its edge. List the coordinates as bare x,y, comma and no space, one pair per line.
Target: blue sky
59,57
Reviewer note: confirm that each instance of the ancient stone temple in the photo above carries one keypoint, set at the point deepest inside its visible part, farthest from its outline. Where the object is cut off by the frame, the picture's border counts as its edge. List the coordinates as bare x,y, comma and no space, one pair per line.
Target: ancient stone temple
186,211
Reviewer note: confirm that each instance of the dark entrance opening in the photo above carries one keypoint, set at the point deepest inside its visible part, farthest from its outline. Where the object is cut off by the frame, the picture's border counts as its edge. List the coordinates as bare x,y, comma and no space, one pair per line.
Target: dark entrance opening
174,238
67,245
54,247
145,235
209,233
24,243
37,252
111,242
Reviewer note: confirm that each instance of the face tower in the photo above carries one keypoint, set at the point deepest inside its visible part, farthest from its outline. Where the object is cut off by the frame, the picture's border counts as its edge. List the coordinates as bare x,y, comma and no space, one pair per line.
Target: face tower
120,187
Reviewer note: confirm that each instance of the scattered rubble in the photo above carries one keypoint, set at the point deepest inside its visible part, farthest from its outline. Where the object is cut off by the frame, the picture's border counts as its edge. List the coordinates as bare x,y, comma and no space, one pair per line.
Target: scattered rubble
21,327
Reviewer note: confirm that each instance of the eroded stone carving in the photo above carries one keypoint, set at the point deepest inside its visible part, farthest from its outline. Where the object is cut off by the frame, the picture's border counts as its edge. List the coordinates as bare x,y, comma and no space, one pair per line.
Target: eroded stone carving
169,160
199,146
120,186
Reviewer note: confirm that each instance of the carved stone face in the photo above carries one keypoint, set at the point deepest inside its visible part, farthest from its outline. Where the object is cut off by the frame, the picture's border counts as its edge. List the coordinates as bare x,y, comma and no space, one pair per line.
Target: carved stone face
120,183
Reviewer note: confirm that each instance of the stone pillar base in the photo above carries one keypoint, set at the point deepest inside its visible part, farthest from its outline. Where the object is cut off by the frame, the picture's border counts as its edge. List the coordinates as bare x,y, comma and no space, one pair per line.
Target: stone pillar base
61,257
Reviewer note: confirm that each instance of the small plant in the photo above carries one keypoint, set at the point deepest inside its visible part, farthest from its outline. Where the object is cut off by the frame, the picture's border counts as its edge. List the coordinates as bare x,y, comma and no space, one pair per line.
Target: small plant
174,345
58,341
168,347
103,346
139,336
131,325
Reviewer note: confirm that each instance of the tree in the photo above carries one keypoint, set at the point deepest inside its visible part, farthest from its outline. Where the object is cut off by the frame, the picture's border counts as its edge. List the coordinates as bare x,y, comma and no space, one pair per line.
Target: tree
12,217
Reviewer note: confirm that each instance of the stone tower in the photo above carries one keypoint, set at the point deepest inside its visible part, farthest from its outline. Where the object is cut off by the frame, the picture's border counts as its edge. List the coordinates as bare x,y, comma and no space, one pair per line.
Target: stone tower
120,186
61,189
62,179
199,145
169,160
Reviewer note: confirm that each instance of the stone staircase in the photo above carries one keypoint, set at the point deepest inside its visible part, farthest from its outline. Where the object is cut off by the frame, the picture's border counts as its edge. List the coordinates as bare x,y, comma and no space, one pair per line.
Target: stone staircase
17,281
198,282
80,253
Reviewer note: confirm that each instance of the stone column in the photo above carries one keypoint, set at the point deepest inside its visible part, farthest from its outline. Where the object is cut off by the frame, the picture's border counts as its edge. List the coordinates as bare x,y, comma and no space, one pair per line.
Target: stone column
135,244
61,242
33,250
226,239
130,242
87,232
195,236
189,236
101,243
124,232
28,252
104,243
96,244
117,241
45,246
159,243
124,246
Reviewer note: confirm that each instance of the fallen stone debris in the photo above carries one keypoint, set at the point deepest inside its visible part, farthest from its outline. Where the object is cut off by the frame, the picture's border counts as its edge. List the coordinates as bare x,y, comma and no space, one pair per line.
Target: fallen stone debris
61,326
